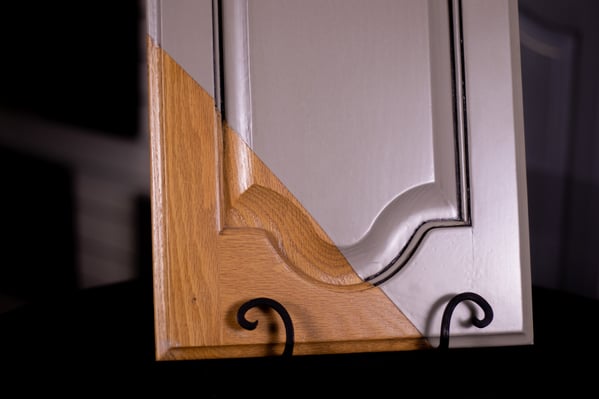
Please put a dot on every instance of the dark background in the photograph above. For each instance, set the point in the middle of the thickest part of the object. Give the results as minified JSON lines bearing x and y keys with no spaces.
{"x":75,"y":275}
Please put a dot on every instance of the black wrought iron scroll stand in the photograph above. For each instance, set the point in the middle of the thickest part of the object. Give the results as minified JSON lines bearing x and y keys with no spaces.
{"x":280,"y":309}
{"x":448,"y":312}
{"x":445,"y":321}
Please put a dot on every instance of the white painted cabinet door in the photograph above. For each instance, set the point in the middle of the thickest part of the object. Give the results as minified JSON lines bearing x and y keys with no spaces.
{"x":396,"y":124}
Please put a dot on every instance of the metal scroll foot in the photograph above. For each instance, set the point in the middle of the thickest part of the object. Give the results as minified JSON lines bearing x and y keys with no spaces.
{"x":280,"y":309}
{"x":480,"y":323}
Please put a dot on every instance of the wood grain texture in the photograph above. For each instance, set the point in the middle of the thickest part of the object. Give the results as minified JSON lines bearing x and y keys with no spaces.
{"x":256,"y":198}
{"x":225,"y":230}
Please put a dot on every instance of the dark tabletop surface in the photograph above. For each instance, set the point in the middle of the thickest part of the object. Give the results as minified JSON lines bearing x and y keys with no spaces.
{"x":102,"y":339}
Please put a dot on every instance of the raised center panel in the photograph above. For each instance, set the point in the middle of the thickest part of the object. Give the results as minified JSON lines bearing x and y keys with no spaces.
{"x":351,"y":103}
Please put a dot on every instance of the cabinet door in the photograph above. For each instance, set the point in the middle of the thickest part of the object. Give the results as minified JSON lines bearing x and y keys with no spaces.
{"x":359,"y":162}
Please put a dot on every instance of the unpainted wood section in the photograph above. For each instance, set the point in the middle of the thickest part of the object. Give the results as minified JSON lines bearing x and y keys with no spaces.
{"x":316,"y":348}
{"x":204,"y":271}
{"x":154,"y":61}
{"x":184,"y":191}
{"x":256,"y":198}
